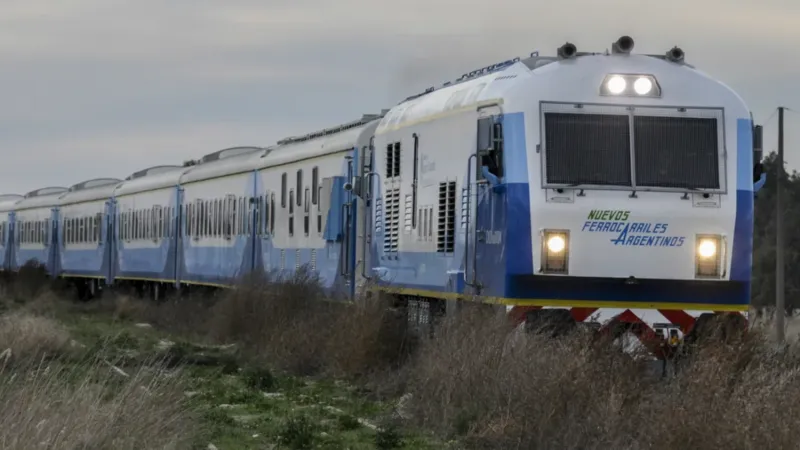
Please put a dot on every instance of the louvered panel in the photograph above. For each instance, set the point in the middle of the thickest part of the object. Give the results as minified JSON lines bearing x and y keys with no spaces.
{"x":378,"y":215}
{"x":408,"y":210}
{"x":447,"y":217}
{"x":465,"y":201}
{"x":392,"y":221}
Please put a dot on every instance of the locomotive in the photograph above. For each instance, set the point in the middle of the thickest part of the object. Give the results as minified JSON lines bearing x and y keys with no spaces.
{"x":599,"y":188}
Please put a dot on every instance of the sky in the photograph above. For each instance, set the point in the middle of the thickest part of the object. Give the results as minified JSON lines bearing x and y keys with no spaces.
{"x":102,"y":88}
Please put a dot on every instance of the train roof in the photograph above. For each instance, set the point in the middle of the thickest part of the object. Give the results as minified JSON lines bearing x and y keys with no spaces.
{"x":154,"y":170}
{"x":157,"y":177}
{"x":10,"y":197}
{"x":322,"y":142}
{"x":90,"y":190}
{"x":40,"y":198}
{"x":7,"y":201}
{"x":485,"y":85}
{"x":452,"y":97}
{"x":224,"y":162}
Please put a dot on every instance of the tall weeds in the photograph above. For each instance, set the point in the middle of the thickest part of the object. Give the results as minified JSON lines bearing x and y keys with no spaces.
{"x":55,"y":395}
{"x":490,"y":386}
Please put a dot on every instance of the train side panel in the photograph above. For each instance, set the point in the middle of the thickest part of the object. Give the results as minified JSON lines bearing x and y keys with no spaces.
{"x":5,"y":233}
{"x":421,"y":210}
{"x":34,"y":238}
{"x":7,"y":203}
{"x":217,"y":247}
{"x":83,"y":240}
{"x":144,"y":248}
{"x":305,"y":229}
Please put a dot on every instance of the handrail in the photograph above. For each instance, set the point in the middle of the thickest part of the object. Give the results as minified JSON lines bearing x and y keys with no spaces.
{"x":367,"y":230}
{"x":471,"y":283}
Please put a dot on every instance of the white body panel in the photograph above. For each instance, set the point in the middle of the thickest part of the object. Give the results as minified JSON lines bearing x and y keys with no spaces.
{"x":328,"y":165}
{"x":226,"y":193}
{"x":148,"y":235}
{"x":80,"y":224}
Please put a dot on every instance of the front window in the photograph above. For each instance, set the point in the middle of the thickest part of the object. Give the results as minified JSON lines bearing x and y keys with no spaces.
{"x":640,"y":148}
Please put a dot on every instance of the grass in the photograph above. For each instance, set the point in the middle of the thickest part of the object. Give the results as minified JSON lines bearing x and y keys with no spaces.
{"x":58,"y":395}
{"x":233,"y":396}
{"x":272,"y":364}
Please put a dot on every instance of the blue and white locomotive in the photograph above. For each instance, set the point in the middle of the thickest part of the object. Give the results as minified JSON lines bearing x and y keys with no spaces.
{"x":580,"y":187}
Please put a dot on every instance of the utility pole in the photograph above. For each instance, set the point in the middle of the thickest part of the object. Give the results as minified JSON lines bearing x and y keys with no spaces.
{"x":780,"y":309}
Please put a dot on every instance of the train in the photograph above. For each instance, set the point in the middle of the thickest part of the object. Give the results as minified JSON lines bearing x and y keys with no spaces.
{"x":583,"y":188}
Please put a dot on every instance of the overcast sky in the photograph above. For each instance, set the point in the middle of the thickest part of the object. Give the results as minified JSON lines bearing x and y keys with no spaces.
{"x":97,"y":88}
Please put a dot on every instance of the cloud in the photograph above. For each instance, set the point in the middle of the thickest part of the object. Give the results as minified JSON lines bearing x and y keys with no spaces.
{"x":103,"y":87}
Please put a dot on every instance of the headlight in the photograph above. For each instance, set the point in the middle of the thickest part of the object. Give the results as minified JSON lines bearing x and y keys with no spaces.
{"x":616,"y":84}
{"x":709,"y":256}
{"x":556,"y":244}
{"x":707,"y":248}
{"x":630,"y":85}
{"x":642,"y":85}
{"x":555,"y":252}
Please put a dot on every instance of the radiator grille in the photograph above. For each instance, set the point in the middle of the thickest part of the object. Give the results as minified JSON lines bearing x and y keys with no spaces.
{"x":391,"y":226}
{"x":676,"y":152}
{"x":588,"y":149}
{"x":447,"y":217}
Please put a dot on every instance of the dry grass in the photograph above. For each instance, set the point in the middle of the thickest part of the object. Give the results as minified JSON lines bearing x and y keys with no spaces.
{"x":291,"y":324}
{"x":484,"y":383}
{"x":25,"y":337}
{"x":477,"y":381}
{"x":56,"y":406}
{"x":288,"y":323}
{"x":55,"y":395}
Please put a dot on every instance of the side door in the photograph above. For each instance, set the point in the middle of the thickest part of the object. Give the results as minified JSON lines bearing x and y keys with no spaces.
{"x":178,"y":219}
{"x":348,"y":216}
{"x":484,"y":201}
{"x":107,"y":239}
{"x":51,"y":243}
{"x":361,"y":186}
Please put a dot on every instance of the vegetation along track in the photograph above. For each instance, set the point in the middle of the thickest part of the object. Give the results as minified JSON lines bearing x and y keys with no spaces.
{"x":271,"y":366}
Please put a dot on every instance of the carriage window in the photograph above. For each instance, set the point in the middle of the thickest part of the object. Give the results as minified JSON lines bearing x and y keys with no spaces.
{"x":299,"y":186}
{"x":262,"y":202}
{"x":98,"y":223}
{"x":314,"y":185}
{"x":283,"y":190}
{"x":188,"y":219}
{"x":272,"y":213}
{"x":306,"y":219}
{"x":204,"y":218}
{"x":217,"y":217}
{"x":291,"y":212}
{"x":240,"y":217}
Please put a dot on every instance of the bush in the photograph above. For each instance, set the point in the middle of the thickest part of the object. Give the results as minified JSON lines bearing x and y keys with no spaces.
{"x":297,"y":433}
{"x":291,"y":324}
{"x":92,"y":406}
{"x":486,"y":384}
{"x":24,"y":337}
{"x":479,"y":382}
{"x":29,"y":282}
